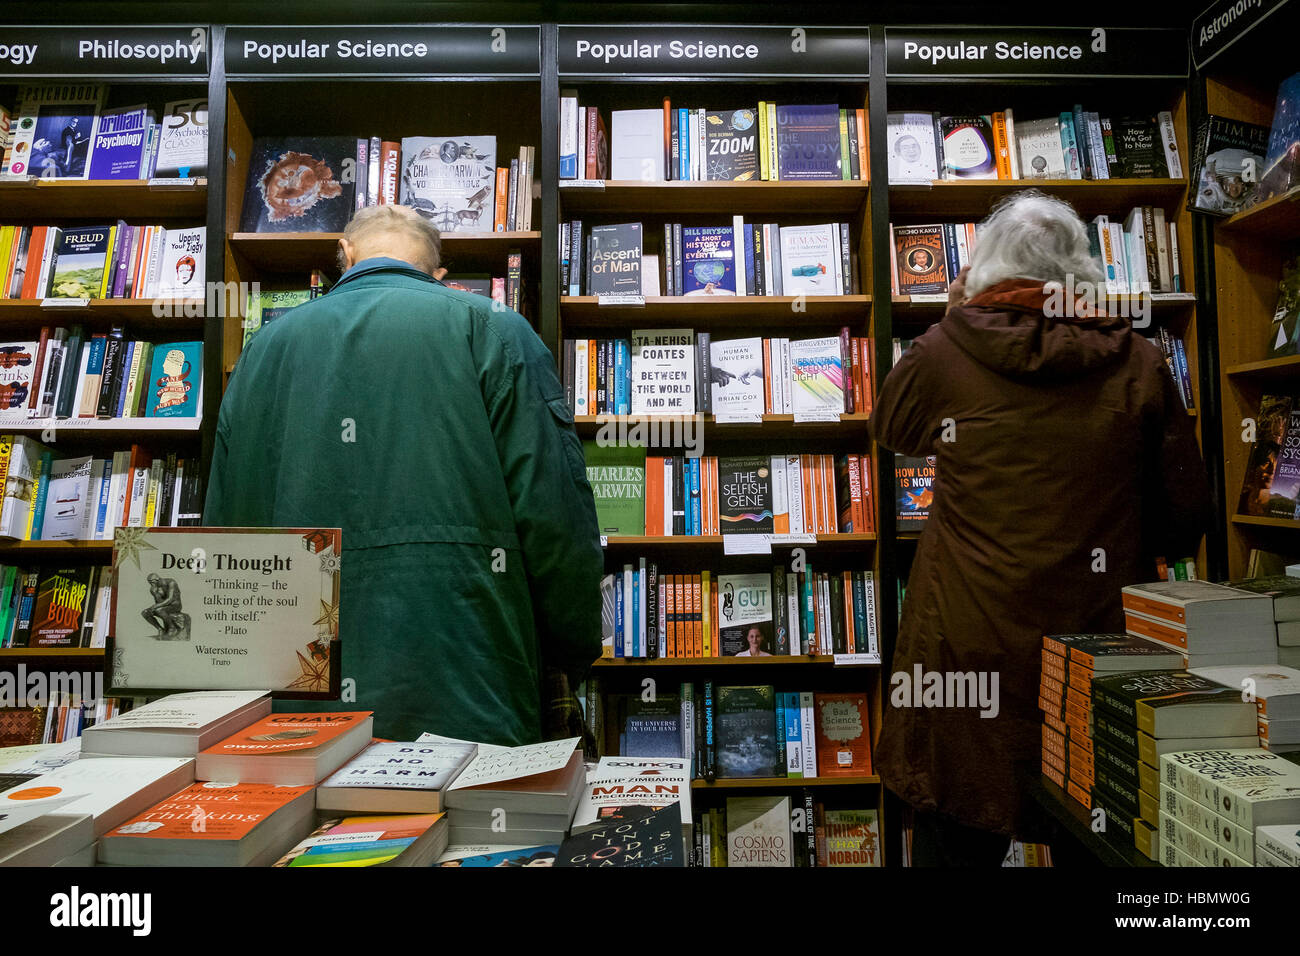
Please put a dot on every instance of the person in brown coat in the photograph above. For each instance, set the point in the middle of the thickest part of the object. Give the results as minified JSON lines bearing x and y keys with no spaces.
{"x":1065,"y":462}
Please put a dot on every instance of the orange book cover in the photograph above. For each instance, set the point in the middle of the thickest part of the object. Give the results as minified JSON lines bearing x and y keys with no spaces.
{"x":828,"y":494}
{"x":35,"y":254}
{"x":1155,"y":630}
{"x":668,"y":138}
{"x":864,"y":154}
{"x":288,"y":733}
{"x":697,"y":641}
{"x":674,"y":647}
{"x":868,"y":376}
{"x":390,"y":163}
{"x":503,"y":194}
{"x":843,"y":735}
{"x":1154,"y":608}
{"x":226,"y":811}
{"x":654,"y":497}
{"x":1001,"y":149}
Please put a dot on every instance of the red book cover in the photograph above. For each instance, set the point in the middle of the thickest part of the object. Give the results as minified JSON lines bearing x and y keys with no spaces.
{"x":35,"y":395}
{"x":35,"y":258}
{"x":286,"y":733}
{"x":60,"y":608}
{"x":389,"y":162}
{"x":848,"y":364}
{"x":843,"y":735}
{"x":654,"y":497}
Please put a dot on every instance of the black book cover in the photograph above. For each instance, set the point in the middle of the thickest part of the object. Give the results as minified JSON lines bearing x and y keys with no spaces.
{"x":1226,"y":166}
{"x":745,"y":495}
{"x":652,"y":840}
{"x":299,"y":184}
{"x":746,"y":732}
{"x":679,"y":496}
{"x":1139,"y":151}
{"x":614,"y":264}
{"x":107,"y":404}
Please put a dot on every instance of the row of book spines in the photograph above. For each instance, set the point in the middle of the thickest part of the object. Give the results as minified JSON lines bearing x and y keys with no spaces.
{"x":67,"y":715}
{"x":1140,"y":255}
{"x":819,"y":844}
{"x":132,"y":266}
{"x":1175,"y":353}
{"x":1183,"y":569}
{"x":129,"y":490}
{"x":19,"y":589}
{"x":679,"y":616}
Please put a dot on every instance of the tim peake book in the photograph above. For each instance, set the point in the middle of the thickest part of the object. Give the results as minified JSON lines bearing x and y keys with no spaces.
{"x":451,"y":180}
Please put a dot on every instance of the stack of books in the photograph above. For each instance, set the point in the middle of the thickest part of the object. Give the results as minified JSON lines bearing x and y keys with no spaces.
{"x":1209,"y":624}
{"x":1285,"y":592}
{"x":1276,"y":693}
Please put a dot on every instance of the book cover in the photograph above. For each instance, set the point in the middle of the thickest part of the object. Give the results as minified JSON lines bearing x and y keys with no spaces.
{"x":745,"y":495}
{"x":731,"y":144}
{"x":745,"y":606}
{"x":61,"y":603}
{"x":1281,"y":167}
{"x":451,"y":180}
{"x":362,"y":840}
{"x":968,"y":151}
{"x":81,"y":258}
{"x":183,"y":141}
{"x":614,"y":260}
{"x":915,"y":480}
{"x":288,"y":733}
{"x":912,"y":154}
{"x":210,"y":811}
{"x":17,"y":369}
{"x":736,"y":378}
{"x":809,"y":258}
{"x":636,"y":145}
{"x":652,"y":840}
{"x":1174,"y":704}
{"x":181,"y":275}
{"x":298,"y":184}
{"x":266,"y":306}
{"x":746,"y":732}
{"x":852,"y":837}
{"x":175,"y":373}
{"x":485,"y":854}
{"x":403,"y":766}
{"x":1227,"y":165}
{"x":843,"y":735}
{"x":1039,"y":145}
{"x":616,"y":474}
{"x":67,"y":500}
{"x":663,"y":372}
{"x":652,"y":728}
{"x":1285,"y":329}
{"x":1284,"y":493}
{"x":921,"y":261}
{"x":1139,"y":150}
{"x":1270,"y":434}
{"x":817,"y":378}
{"x":119,"y":144}
{"x":708,"y":260}
{"x":60,"y":142}
{"x":758,"y":832}
{"x":808,"y":142}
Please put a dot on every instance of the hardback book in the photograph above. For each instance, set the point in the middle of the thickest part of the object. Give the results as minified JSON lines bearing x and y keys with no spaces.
{"x":485,"y":854}
{"x":921,"y":261}
{"x":651,"y":728}
{"x":745,"y":605}
{"x":731,"y":144}
{"x":297,"y":184}
{"x":912,"y":154}
{"x":1284,"y":589}
{"x":745,"y":496}
{"x":17,"y":370}
{"x":119,"y":148}
{"x":968,"y":151}
{"x":80,"y":261}
{"x":1110,"y":653}
{"x":616,"y":474}
{"x":1285,"y":329}
{"x":746,"y":732}
{"x":758,"y":832}
{"x":265,"y":306}
{"x":663,"y":372}
{"x":175,"y":377}
{"x":111,"y":789}
{"x":708,"y":260}
{"x":291,"y":750}
{"x":808,"y":142}
{"x":178,"y":725}
{"x":451,"y":180}
{"x":636,"y":148}
{"x":852,"y":838}
{"x":183,"y":141}
{"x":48,"y":840}
{"x":1139,"y":150}
{"x":843,"y":735}
{"x":810,"y":260}
{"x":736,"y":378}
{"x":1174,"y":704}
{"x":1281,"y":169}
{"x":59,"y":142}
{"x":654,"y":839}
{"x":1227,"y":163}
{"x":407,"y":839}
{"x":618,"y":786}
{"x":817,"y":378}
{"x":915,"y":479}
{"x":614,"y":262}
{"x":1039,"y":145}
{"x":181,"y":273}
{"x":213,"y":824}
{"x":1270,"y":434}
{"x":1274,"y":689}
{"x":1249,"y":787}
{"x":67,"y":500}
{"x":393,"y":777}
{"x":62,"y":602}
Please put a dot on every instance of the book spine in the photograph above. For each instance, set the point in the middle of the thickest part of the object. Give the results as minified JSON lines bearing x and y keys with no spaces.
{"x":780,"y":613}
{"x":709,"y":763}
{"x":1170,"y":141}
{"x":363,"y":173}
{"x":1070,"y":146}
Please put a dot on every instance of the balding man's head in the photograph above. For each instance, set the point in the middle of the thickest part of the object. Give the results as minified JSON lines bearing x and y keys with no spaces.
{"x":397,"y":232}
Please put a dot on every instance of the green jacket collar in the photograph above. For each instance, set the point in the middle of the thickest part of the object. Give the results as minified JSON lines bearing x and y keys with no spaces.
{"x":383,"y":264}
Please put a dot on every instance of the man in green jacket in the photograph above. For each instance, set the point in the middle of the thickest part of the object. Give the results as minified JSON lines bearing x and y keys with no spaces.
{"x":433,"y":429}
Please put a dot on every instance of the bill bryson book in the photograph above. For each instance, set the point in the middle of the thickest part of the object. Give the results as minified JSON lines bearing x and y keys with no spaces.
{"x":745,"y":495}
{"x":708,"y":260}
{"x":451,"y":180}
{"x":299,"y":184}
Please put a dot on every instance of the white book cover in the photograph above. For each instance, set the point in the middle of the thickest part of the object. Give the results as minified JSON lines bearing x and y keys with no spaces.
{"x":663,"y":372}
{"x":1282,"y":840}
{"x":817,"y":378}
{"x":1162,"y":249}
{"x":808,"y":715}
{"x":451,"y":180}
{"x":810,"y":260}
{"x":1261,"y":683}
{"x":187,"y":711}
{"x":1038,"y":143}
{"x":181,"y":275}
{"x":736,"y":378}
{"x":569,"y":137}
{"x":404,"y":766}
{"x":1247,"y":786}
{"x":580,"y":377}
{"x":794,"y":494}
{"x":38,"y":758}
{"x":636,"y":149}
{"x":67,"y":500}
{"x":780,"y":497}
{"x":17,"y":369}
{"x":738,"y":244}
{"x":1136,"y":247}
{"x":117,"y":492}
{"x":183,"y":139}
{"x":495,"y":763}
{"x":635,"y":781}
{"x":912,"y":155}
{"x":745,"y":606}
{"x":1120,"y":251}
{"x":758,"y":832}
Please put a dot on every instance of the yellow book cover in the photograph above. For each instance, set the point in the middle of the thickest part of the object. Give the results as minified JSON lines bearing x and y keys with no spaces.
{"x":764,"y":168}
{"x":108,"y":262}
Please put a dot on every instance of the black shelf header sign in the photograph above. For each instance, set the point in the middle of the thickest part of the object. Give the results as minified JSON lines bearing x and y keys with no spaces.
{"x":1224,"y":23}
{"x":468,"y":51}
{"x":1085,"y":52}
{"x":686,"y":51}
{"x":32,"y":52}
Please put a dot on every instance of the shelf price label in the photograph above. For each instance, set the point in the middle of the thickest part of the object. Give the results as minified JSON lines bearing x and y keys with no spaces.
{"x":635,"y":300}
{"x":1053,"y":51}
{"x":598,"y":184}
{"x":173,"y":182}
{"x":103,"y":51}
{"x":65,"y":303}
{"x":746,"y":544}
{"x":856,"y":660}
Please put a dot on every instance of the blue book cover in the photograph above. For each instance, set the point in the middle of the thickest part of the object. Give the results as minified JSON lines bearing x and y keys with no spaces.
{"x":808,"y":142}
{"x":636,"y":615}
{"x":119,"y":143}
{"x":618,"y":615}
{"x":105,"y":481}
{"x":524,"y":856}
{"x":653,"y":728}
{"x":1070,"y":146}
{"x":684,"y":138}
{"x":1285,"y":131}
{"x":751,"y":283}
{"x":792,"y":718}
{"x":708,"y":260}
{"x":42,"y":486}
{"x":623,"y":381}
{"x":697,"y":519}
{"x":175,"y":375}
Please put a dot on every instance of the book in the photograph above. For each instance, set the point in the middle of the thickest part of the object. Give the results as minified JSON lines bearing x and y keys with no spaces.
{"x":1227,"y":162}
{"x":731,"y":145}
{"x":1285,"y":328}
{"x":758,"y":832}
{"x":736,"y":378}
{"x":663,"y":372}
{"x":485,"y":854}
{"x":60,"y":141}
{"x":450,"y":180}
{"x":843,"y":735}
{"x":968,"y":151}
{"x":745,"y":496}
{"x":1275,"y":690}
{"x":746,"y":732}
{"x":654,"y":839}
{"x":175,"y":380}
{"x":817,"y":378}
{"x":614,"y":260}
{"x":1246,"y":786}
{"x":213,"y":824}
{"x":852,"y":838}
{"x":183,"y":141}
{"x":67,"y":507}
{"x":915,"y":479}
{"x":265,"y":306}
{"x":1109,"y":653}
{"x":636,"y":147}
{"x":1270,"y":434}
{"x":17,"y":374}
{"x":810,"y":260}
{"x":1174,"y":704}
{"x":808,"y":142}
{"x":287,"y":749}
{"x":745,"y":609}
{"x":1039,"y":146}
{"x":62,"y":602}
{"x":913,"y":157}
{"x":920,"y":259}
{"x":178,"y":725}
{"x":118,"y":150}
{"x":708,"y":260}
{"x":79,"y":263}
{"x":408,"y":839}
{"x":1139,"y":149}
{"x":48,"y":840}
{"x":1281,"y":169}
{"x":617,"y":477}
{"x":1282,"y":588}
{"x":295,"y":184}
{"x":617,"y":786}
{"x":392,"y":777}
{"x":181,"y":274}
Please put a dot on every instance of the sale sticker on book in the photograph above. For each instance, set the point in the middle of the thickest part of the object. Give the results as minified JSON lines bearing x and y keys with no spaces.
{"x":222,"y":608}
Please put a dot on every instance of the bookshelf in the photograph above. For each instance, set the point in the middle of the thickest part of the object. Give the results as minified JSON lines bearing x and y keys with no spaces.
{"x":1237,"y":77}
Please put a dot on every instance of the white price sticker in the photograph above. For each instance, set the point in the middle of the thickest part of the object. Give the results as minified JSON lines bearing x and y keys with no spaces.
{"x":930,"y":297}
{"x":746,"y":544}
{"x":856,"y":660}
{"x":65,"y":303}
{"x":582,"y":184}
{"x":637,"y":300}
{"x":737,"y":418}
{"x":802,"y":417}
{"x":173,"y":182}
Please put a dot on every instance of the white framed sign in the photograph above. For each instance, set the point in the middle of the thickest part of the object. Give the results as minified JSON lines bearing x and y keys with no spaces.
{"x":226,"y":608}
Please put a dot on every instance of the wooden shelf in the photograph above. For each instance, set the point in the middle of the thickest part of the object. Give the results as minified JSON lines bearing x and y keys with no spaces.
{"x":715,"y":541}
{"x":785,"y":660}
{"x":55,"y":546}
{"x":785,"y":783}
{"x":772,"y":426}
{"x":64,"y":427}
{"x":1265,"y":522}
{"x":1275,"y":218}
{"x":83,"y":199}
{"x":105,"y":313}
{"x":1286,"y":367}
{"x":905,"y":308}
{"x":304,"y":251}
{"x":12,"y":653}
{"x":719,"y":311}
{"x":947,"y":200}
{"x":733,"y":198}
